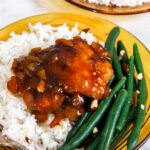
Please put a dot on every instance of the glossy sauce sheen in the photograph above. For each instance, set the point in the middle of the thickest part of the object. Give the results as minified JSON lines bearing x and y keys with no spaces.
{"x":59,"y":78}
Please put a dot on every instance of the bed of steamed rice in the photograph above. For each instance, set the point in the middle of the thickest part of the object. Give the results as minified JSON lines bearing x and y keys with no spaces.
{"x":17,"y":122}
{"x":119,"y":3}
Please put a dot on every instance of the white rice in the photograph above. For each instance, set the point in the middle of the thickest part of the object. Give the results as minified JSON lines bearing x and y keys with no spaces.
{"x":119,"y":3}
{"x":17,"y":122}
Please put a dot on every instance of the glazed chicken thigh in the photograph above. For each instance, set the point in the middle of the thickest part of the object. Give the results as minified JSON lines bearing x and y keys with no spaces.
{"x":62,"y":75}
{"x":78,"y":67}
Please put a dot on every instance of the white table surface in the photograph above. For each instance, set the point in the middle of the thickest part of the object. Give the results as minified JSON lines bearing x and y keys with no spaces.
{"x":138,"y":25}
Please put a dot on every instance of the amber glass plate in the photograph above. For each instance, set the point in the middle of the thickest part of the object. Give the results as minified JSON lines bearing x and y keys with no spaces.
{"x":100,"y":28}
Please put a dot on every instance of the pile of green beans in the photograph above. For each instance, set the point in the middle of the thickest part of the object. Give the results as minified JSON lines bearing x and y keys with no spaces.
{"x":121,"y":112}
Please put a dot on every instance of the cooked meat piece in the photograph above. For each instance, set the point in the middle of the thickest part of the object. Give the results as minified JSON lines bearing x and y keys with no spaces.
{"x":107,"y":92}
{"x":49,"y":101}
{"x":14,"y":85}
{"x":72,"y":112}
{"x":77,"y":99}
{"x":78,"y":68}
{"x":58,"y":117}
{"x":28,"y":98}
{"x":40,"y":116}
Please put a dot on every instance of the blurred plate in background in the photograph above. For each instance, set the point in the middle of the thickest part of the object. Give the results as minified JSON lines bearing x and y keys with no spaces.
{"x":84,"y":5}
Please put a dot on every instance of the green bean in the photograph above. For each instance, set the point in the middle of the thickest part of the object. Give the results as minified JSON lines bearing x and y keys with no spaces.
{"x":109,"y":128}
{"x":78,"y":125}
{"x":123,"y":57}
{"x":120,"y":47}
{"x":110,"y":41}
{"x":117,"y":65}
{"x":141,"y":102}
{"x":130,"y":88}
{"x":87,"y":128}
{"x":119,"y":134}
{"x":111,"y":81}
